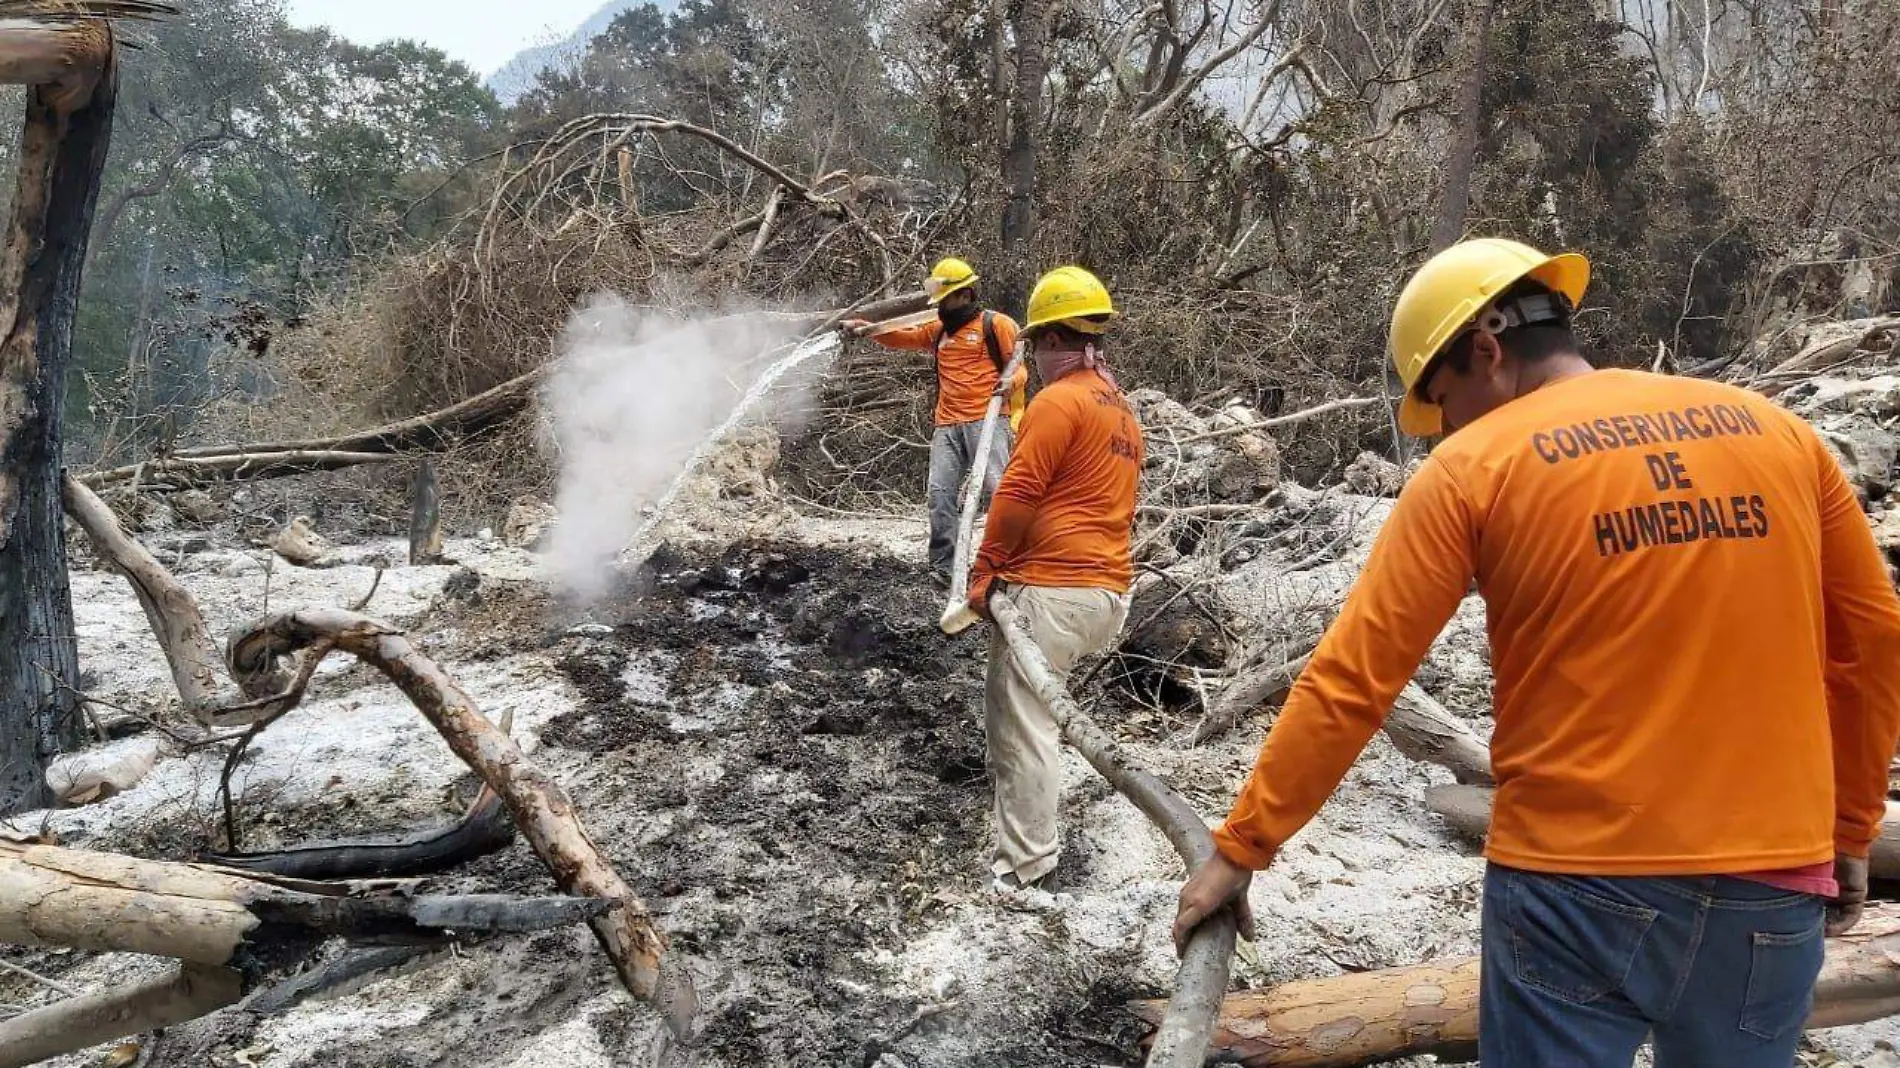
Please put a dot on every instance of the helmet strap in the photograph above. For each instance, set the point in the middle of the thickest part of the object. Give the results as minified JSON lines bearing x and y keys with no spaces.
{"x":1495,"y":319}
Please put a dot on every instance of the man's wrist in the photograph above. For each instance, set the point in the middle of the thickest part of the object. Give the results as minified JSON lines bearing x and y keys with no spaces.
{"x":1239,"y":852}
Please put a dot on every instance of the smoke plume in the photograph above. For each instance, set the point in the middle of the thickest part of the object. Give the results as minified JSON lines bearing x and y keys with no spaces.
{"x":635,"y":392}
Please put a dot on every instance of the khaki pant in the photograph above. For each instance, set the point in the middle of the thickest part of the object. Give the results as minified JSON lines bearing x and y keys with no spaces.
{"x":1025,"y":745}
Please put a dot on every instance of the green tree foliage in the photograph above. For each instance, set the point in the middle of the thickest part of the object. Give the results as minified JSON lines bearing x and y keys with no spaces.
{"x":251,"y":162}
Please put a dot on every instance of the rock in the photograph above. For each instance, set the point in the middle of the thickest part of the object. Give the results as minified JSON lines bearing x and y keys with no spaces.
{"x":743,"y":464}
{"x":1241,"y":467}
{"x":1160,"y":413}
{"x":590,"y":630}
{"x":1866,"y":453}
{"x":1878,"y":396}
{"x":238,"y":566}
{"x":300,"y":544}
{"x":1372,"y":475}
{"x":197,"y":508}
{"x":1168,"y":632}
{"x":527,"y":523}
{"x":465,"y":585}
{"x":1887,"y":531}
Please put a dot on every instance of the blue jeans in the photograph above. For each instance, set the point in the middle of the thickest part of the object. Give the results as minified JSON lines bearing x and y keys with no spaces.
{"x":1579,"y":970}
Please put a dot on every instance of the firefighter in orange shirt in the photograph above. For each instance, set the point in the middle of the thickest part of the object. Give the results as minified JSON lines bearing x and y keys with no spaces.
{"x":1694,"y":640}
{"x":1056,"y":545}
{"x":972,"y":347}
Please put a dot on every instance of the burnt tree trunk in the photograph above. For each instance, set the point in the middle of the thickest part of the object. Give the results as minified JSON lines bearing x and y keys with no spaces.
{"x":63,"y":149}
{"x":1461,"y":155}
{"x":1031,"y":25}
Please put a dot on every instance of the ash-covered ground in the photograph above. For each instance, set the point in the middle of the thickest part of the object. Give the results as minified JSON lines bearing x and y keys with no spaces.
{"x":769,"y":737}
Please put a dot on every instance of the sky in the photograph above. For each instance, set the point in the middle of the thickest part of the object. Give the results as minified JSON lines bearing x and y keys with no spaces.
{"x":482,"y":33}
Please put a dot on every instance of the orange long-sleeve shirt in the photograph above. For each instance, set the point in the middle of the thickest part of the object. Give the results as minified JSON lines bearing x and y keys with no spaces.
{"x":1695,"y":643}
{"x":966,"y":376}
{"x":1064,"y":510}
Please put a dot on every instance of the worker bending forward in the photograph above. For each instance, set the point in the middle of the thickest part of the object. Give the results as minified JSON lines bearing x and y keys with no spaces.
{"x":1056,"y":545}
{"x":1697,"y":660}
{"x":972,"y":348}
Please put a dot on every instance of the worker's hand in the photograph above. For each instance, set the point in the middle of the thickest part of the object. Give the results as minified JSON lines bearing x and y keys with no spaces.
{"x":1219,"y":883}
{"x":1844,"y":911}
{"x":979,"y":599}
{"x":854,"y":327}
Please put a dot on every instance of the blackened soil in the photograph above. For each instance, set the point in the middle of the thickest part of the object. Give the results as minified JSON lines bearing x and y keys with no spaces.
{"x":783,"y":756}
{"x":809,"y":780}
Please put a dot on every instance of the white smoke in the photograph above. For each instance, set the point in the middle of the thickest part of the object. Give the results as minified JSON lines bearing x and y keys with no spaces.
{"x":634,"y":394}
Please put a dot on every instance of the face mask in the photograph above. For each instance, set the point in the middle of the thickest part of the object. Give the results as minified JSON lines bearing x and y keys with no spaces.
{"x":1054,"y":364}
{"x":953,"y":319}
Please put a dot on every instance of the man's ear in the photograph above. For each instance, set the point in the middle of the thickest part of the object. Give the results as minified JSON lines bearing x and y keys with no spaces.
{"x":1487,"y":355}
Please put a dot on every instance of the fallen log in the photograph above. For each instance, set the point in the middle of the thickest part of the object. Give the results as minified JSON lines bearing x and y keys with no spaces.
{"x":204,"y":685}
{"x":1432,"y":1009}
{"x":484,"y":829}
{"x":1246,"y":693}
{"x":539,"y":807}
{"x":1422,"y":729}
{"x":64,"y":1026}
{"x":56,"y":45}
{"x":1187,"y":1024}
{"x":1418,"y":725}
{"x":221,"y":924}
{"x":429,"y":432}
{"x":347,"y":969}
{"x":1466,"y":809}
{"x":104,"y":902}
{"x":181,"y":471}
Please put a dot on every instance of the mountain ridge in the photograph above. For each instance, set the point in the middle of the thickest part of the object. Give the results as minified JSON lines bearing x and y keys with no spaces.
{"x":514,"y":78}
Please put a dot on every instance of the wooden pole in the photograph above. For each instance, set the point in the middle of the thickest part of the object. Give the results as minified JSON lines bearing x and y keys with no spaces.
{"x":1187,"y":1025}
{"x":1432,"y":1009}
{"x":63,"y":150}
{"x":425,"y":515}
{"x":956,"y":612}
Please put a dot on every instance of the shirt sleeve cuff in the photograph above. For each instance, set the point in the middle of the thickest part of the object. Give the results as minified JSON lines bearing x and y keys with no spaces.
{"x":1852,"y":846}
{"x":1240,"y":852}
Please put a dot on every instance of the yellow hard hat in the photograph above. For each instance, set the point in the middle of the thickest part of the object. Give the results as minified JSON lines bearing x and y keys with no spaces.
{"x":1070,"y":296}
{"x":949,"y":275}
{"x":1449,"y":292}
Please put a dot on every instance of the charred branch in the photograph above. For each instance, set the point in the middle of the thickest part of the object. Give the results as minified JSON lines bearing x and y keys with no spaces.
{"x":484,"y":829}
{"x":540,"y":808}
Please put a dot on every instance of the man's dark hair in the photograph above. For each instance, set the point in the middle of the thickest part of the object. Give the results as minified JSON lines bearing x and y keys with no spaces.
{"x":1532,"y":343}
{"x":1070,"y":337}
